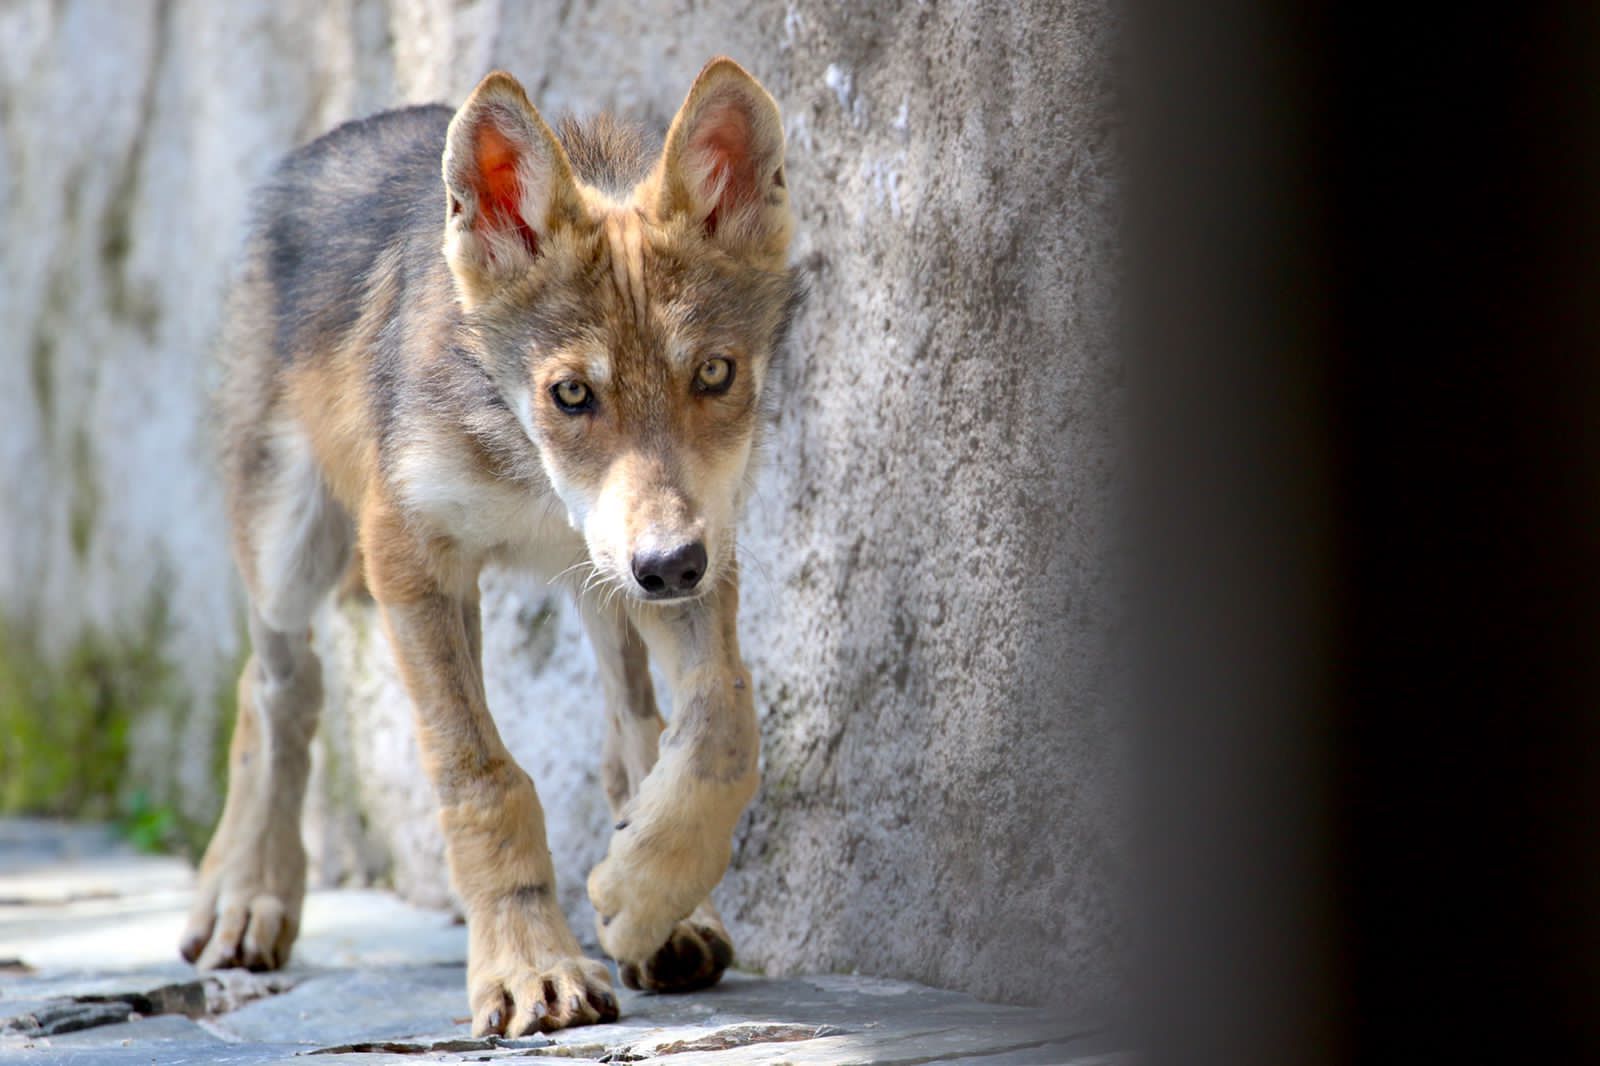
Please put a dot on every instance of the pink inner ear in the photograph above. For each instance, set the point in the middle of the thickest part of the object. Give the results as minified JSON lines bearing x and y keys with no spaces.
{"x":722,"y":138}
{"x":498,"y":187}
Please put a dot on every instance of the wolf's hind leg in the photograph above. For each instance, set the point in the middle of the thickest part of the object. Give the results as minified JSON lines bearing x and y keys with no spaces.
{"x":252,"y":880}
{"x":699,"y":948}
{"x":292,"y":544}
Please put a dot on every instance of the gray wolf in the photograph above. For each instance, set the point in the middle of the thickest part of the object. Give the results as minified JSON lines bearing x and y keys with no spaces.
{"x":463,"y":338}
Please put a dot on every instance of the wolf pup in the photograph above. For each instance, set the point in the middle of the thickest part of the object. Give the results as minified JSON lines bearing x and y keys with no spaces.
{"x":554,"y":358}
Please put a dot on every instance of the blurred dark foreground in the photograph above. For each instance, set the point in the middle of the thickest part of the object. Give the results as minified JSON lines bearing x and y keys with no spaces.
{"x":1362,"y":342}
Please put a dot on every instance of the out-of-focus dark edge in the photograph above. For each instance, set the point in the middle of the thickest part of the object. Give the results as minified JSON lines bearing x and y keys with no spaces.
{"x":1361,"y":331}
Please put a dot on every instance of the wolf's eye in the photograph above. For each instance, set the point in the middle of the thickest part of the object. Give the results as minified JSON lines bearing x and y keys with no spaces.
{"x":714,"y":375}
{"x":573,"y":397}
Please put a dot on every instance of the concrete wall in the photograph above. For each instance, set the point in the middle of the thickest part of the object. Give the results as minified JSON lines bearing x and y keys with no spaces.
{"x":927,"y":598}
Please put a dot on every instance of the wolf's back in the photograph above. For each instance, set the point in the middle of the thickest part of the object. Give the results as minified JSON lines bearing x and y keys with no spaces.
{"x":329,"y":212}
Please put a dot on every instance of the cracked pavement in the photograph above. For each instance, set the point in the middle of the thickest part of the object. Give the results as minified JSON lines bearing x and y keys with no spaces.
{"x":89,"y":973}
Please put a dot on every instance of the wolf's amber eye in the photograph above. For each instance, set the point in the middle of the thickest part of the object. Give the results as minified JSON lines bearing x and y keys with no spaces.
{"x":714,"y":375}
{"x":573,"y":397}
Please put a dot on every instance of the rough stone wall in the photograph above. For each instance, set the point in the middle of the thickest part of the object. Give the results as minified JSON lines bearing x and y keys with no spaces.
{"x":926,"y":600}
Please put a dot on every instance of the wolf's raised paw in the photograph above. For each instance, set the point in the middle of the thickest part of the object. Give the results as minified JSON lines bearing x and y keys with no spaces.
{"x":574,"y":991}
{"x":650,"y":881}
{"x":632,"y":924}
{"x":694,"y":957}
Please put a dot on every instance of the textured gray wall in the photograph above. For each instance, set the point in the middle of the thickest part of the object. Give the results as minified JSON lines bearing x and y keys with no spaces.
{"x":927,"y":601}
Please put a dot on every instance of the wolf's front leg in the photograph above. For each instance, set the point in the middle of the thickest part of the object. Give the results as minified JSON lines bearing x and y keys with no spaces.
{"x":699,"y":948}
{"x":674,"y":837}
{"x":525,"y":970}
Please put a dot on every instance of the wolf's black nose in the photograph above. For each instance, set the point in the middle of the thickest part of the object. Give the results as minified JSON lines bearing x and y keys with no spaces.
{"x":670,"y":570}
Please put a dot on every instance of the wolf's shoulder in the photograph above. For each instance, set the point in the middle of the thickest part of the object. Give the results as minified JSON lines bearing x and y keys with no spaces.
{"x":395,"y":137}
{"x":363,"y":183}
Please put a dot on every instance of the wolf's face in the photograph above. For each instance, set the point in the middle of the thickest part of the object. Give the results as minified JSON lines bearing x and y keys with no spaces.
{"x":630,"y":330}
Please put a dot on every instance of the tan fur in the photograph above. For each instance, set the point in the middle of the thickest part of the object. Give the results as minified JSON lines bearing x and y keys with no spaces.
{"x":418,"y":432}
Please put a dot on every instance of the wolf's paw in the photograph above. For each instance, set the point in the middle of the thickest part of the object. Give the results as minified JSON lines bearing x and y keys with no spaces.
{"x":514,"y":1002}
{"x":642,"y":890}
{"x":694,"y":956}
{"x":247,"y":909}
{"x":525,"y":971}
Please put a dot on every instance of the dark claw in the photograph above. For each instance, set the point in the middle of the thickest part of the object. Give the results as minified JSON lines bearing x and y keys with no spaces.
{"x":721,"y":952}
{"x":693,"y":957}
{"x":604,"y":1003}
{"x":620,"y":826}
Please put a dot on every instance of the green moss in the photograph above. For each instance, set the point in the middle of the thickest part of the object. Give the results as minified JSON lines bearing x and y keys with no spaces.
{"x":128,"y":300}
{"x":146,"y":825}
{"x":41,"y":367}
{"x":65,"y":723}
{"x":85,"y":495}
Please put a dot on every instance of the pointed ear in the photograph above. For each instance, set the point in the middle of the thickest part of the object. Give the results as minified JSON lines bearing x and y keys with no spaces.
{"x":723,"y":164}
{"x":508,"y":184}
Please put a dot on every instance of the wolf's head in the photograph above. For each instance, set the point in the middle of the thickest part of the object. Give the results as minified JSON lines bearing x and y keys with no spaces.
{"x":629,"y":316}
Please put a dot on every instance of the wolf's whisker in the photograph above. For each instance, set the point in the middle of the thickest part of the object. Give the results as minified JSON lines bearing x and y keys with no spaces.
{"x":570,"y":569}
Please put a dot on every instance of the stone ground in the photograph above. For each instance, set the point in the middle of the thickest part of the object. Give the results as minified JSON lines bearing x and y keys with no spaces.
{"x":89,"y":974}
